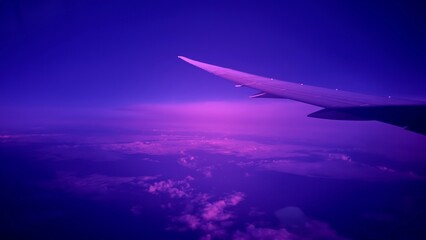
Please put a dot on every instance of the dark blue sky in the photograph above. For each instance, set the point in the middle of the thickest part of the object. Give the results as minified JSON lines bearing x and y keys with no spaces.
{"x":114,"y":53}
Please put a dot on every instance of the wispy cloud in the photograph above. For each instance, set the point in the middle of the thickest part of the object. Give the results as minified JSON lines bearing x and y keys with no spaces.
{"x":175,"y":189}
{"x":252,"y":232}
{"x":261,"y":118}
{"x":336,"y":168}
{"x":300,"y":159}
{"x":96,"y":185}
{"x":313,"y":230}
{"x":214,"y":218}
{"x":216,"y":210}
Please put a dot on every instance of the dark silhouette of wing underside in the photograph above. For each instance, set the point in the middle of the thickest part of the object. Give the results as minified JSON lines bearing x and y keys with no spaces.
{"x":338,"y":105}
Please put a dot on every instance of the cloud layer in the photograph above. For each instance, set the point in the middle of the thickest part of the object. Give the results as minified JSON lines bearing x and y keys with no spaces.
{"x":261,"y":118}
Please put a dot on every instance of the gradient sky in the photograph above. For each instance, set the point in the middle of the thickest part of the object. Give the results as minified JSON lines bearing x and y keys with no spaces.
{"x":106,"y":134}
{"x":114,"y":53}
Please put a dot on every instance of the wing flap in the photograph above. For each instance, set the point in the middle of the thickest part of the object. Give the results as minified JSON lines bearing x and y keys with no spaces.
{"x":264,"y":95}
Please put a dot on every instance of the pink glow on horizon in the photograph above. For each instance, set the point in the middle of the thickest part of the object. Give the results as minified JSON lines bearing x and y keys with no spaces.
{"x":279,"y":119}
{"x":265,"y":118}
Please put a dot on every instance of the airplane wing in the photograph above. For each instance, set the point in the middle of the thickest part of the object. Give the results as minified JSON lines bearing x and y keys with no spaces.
{"x":338,"y":105}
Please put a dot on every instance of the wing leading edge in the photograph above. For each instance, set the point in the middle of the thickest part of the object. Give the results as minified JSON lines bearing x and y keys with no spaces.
{"x":339,"y":105}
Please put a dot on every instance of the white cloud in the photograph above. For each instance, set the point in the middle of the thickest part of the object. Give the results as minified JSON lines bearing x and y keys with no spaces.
{"x":211,"y":217}
{"x":175,"y":188}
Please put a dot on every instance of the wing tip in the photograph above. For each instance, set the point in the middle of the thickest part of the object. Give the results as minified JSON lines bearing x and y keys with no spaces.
{"x":184,"y":58}
{"x":194,"y":62}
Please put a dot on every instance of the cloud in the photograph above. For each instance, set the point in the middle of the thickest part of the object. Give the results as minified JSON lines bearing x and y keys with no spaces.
{"x":295,"y":225}
{"x":300,"y":159}
{"x":203,"y":137}
{"x":191,"y":221}
{"x":313,"y":230}
{"x":302,"y":227}
{"x":96,"y":185}
{"x":213,"y":218}
{"x":270,"y":119}
{"x":235,"y":198}
{"x":189,"y":151}
{"x":216,"y":210}
{"x":252,"y":233}
{"x":339,"y":168}
{"x":175,"y":189}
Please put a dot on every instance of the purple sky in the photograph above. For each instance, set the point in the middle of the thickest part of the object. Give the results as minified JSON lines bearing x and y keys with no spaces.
{"x":106,"y":134}
{"x":87,"y":67}
{"x":67,"y":53}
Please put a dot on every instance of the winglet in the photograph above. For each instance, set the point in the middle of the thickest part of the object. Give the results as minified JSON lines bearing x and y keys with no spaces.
{"x":240,"y":78}
{"x":201,"y":65}
{"x":188,"y":60}
{"x":182,"y":57}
